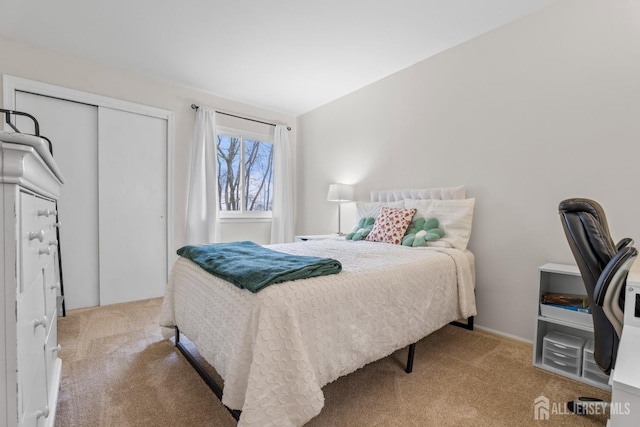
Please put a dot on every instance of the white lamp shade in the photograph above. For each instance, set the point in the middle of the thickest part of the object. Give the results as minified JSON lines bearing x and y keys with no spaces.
{"x":340,"y":193}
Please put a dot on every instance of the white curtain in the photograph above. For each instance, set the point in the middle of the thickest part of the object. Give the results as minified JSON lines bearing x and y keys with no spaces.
{"x":282,"y":210}
{"x":203,"y":225}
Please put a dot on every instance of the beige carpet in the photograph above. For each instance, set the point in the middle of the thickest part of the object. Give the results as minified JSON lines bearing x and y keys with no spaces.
{"x":118,"y":371}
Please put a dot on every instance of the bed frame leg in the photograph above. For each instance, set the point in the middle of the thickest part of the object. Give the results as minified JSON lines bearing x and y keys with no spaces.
{"x":468,"y":325}
{"x":412,"y":351}
{"x":412,"y":347}
{"x":208,"y":379}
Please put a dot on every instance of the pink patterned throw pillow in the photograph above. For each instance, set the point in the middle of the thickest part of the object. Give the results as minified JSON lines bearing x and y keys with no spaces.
{"x":390,"y":225}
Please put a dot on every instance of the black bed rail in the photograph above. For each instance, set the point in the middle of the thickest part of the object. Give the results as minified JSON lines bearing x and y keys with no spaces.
{"x":208,"y":379}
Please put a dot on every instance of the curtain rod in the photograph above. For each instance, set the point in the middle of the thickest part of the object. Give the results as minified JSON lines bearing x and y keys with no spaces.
{"x":195,"y":107}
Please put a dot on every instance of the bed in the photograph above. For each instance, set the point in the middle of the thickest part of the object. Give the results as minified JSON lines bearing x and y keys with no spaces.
{"x":277,"y":348}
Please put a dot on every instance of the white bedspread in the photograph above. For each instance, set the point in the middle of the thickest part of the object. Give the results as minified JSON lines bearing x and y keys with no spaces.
{"x":277,"y":348}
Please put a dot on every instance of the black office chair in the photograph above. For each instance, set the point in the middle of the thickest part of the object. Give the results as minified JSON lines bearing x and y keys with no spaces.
{"x":603,"y":266}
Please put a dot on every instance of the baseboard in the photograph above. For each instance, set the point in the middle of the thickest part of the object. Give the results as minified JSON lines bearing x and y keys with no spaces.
{"x":502,"y":334}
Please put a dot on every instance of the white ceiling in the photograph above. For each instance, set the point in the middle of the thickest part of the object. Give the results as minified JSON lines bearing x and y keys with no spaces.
{"x":289,"y":56}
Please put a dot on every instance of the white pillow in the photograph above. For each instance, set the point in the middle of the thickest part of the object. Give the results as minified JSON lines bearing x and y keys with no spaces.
{"x":372,"y":209}
{"x":455,"y":217}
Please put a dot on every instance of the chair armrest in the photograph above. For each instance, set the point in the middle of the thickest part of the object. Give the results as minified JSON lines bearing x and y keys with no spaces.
{"x":623,"y":243}
{"x":611,"y":284}
{"x":611,"y":270}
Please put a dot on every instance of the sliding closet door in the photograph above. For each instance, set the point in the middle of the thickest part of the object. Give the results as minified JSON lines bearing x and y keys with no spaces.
{"x":72,"y":127}
{"x":113,"y":206}
{"x":132,"y":164}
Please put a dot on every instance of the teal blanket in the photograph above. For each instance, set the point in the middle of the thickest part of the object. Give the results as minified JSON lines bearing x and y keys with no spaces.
{"x":251,"y":266}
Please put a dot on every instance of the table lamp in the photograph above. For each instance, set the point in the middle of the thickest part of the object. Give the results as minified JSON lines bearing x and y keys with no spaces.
{"x":340,"y":193}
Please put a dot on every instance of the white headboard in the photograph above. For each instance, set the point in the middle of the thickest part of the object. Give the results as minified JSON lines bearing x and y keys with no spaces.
{"x":440,"y":193}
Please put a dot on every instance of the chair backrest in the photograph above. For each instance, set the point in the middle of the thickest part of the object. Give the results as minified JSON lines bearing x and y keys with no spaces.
{"x":587,"y":231}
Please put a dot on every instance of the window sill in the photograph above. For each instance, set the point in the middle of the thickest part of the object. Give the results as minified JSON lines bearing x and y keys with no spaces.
{"x":244,"y":219}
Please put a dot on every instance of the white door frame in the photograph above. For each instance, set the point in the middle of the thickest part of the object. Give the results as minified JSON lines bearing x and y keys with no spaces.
{"x":11,"y":84}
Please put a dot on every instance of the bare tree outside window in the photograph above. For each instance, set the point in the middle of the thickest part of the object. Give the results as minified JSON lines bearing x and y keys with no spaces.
{"x":245,"y":174}
{"x":258,"y":175}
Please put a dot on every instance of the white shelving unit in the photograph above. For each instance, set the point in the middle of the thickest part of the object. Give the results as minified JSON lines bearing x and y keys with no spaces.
{"x":561,"y":278}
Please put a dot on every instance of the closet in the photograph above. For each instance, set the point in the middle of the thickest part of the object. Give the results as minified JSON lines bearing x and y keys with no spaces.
{"x":114,"y":207}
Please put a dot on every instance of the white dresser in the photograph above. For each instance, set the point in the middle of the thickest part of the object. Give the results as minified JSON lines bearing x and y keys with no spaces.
{"x":31,"y":369}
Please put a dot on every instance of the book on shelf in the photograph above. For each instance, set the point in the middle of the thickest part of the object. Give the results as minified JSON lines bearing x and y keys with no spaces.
{"x":565,"y":300}
{"x":572,"y":308}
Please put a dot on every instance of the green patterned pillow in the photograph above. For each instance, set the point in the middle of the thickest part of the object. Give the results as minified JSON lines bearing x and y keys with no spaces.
{"x":421,"y":231}
{"x":362,"y":229}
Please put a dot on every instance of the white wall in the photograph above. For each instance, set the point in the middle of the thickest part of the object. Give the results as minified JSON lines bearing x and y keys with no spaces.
{"x":541,"y":110}
{"x":22,"y":60}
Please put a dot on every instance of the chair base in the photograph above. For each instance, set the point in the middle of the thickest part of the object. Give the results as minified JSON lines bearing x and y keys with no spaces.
{"x":587,"y":406}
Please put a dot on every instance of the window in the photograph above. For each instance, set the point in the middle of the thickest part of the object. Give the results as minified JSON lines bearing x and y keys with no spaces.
{"x":245,"y":174}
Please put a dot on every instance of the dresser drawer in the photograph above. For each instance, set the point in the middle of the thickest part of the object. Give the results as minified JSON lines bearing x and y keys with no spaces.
{"x":31,"y":240}
{"x":36,"y":411}
{"x":37,"y":240}
{"x":31,"y":329}
{"x":51,"y":350}
{"x":51,"y":285}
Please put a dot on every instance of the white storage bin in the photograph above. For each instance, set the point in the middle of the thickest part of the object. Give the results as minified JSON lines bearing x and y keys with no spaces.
{"x":592,"y":372}
{"x":568,"y":364}
{"x":578,"y":317}
{"x":563,"y":352}
{"x":590,"y":368}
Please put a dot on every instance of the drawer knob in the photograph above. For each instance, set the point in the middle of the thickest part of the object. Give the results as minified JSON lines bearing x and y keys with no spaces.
{"x":45,"y":212}
{"x":57,"y":224}
{"x":43,"y":412}
{"x":53,"y":243}
{"x":40,"y":322}
{"x":44,"y":251}
{"x":37,"y":235}
{"x":56,"y":349}
{"x":56,"y":286}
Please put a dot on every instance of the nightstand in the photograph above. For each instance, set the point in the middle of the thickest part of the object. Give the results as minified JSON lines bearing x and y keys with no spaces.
{"x":309,"y":237}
